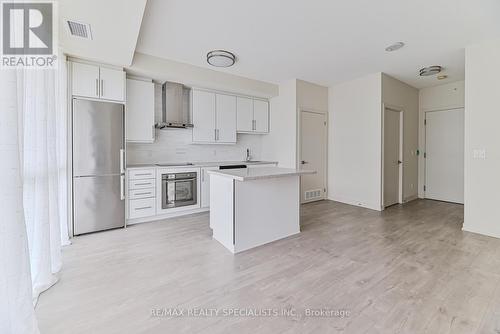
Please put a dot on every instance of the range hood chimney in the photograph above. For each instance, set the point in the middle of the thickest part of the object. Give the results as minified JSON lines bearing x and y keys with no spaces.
{"x":175,"y":106}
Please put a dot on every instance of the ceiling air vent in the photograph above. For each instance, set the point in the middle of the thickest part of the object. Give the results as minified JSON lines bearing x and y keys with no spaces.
{"x":79,"y":29}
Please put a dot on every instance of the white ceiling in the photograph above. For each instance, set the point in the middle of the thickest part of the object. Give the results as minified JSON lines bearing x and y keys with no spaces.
{"x":115,"y":26}
{"x":322,"y":41}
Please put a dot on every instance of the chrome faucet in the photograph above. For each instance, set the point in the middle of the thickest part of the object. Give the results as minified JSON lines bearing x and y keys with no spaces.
{"x":249,"y":157}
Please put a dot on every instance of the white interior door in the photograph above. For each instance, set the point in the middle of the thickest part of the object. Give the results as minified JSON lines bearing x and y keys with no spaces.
{"x":444,"y":150}
{"x":313,"y":138}
{"x":226,"y":118}
{"x":392,"y":156}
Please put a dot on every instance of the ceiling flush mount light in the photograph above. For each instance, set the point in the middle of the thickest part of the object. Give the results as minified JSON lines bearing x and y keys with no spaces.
{"x":430,"y":70}
{"x":394,"y":47}
{"x":221,"y":58}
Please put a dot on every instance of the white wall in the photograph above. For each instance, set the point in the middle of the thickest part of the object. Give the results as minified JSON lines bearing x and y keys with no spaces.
{"x":442,"y":97}
{"x":160,"y":69}
{"x":175,"y":145}
{"x":398,"y":95}
{"x":280,"y":143}
{"x":312,"y":97}
{"x":482,"y":119}
{"x":355,"y":142}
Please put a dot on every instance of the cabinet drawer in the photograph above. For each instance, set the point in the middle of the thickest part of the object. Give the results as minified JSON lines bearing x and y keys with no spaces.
{"x":139,"y":208}
{"x":135,"y":174}
{"x":141,"y":184}
{"x":141,"y":193}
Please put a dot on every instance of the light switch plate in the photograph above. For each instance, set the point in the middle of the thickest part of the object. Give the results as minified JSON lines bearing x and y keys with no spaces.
{"x":479,"y":154}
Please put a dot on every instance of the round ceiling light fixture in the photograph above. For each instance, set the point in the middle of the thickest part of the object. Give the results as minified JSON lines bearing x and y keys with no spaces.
{"x":430,"y":70}
{"x":394,"y":47}
{"x":221,"y":58}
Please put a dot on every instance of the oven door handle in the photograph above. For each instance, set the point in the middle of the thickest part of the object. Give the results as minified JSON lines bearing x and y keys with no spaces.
{"x":176,"y":180}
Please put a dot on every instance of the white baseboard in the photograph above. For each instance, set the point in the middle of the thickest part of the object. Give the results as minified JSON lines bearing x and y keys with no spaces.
{"x":165,"y":216}
{"x":481,"y":231}
{"x":344,"y":200}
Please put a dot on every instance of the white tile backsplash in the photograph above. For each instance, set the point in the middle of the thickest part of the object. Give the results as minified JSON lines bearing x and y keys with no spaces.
{"x":175,"y":145}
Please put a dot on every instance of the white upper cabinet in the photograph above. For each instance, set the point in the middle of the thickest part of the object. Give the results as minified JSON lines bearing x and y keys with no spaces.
{"x":98,"y":82}
{"x":85,"y":80}
{"x":253,"y":115}
{"x":203,"y":112}
{"x":214,"y":117}
{"x":140,"y":111}
{"x":225,"y":117}
{"x":112,"y":84}
{"x":244,"y":114}
{"x":261,"y":116}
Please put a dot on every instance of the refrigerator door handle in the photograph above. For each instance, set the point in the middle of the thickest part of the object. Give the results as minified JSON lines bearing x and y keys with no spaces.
{"x":122,"y":187}
{"x":122,"y":161}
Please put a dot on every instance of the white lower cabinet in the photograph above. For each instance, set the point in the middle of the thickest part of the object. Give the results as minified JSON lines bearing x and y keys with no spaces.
{"x":141,"y":195}
{"x":205,"y":186}
{"x":139,"y":208}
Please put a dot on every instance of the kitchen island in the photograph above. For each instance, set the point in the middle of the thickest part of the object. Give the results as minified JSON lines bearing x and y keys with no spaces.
{"x":252,"y":207}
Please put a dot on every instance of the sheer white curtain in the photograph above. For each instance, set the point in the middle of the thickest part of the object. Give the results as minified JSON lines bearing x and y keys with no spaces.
{"x":42,"y":130}
{"x":16,"y":305}
{"x":33,"y":190}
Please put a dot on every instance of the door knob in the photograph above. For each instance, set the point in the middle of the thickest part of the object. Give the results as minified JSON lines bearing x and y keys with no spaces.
{"x":303,"y":162}
{"x":399,"y":162}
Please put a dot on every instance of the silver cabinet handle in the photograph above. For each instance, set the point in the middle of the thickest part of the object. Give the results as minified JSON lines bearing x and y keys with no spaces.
{"x":143,"y":184}
{"x":97,"y":87}
{"x":144,"y":208}
{"x":122,"y":187}
{"x":122,"y":161}
{"x":143,"y":174}
{"x":102,"y":87}
{"x":139,"y":194}
{"x":215,"y":134}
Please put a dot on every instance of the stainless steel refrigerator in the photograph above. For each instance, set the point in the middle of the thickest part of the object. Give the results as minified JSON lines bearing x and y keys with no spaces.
{"x":98,"y":166}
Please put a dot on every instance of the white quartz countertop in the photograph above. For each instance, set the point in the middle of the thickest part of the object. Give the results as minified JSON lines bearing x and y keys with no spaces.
{"x":201,"y":164}
{"x":248,"y":174}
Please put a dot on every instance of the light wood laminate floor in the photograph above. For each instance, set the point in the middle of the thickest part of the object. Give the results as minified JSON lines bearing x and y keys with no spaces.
{"x":409,"y":269}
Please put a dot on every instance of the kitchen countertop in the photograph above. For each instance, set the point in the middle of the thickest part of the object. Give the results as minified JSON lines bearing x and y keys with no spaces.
{"x":204,"y":164}
{"x":245,"y":174}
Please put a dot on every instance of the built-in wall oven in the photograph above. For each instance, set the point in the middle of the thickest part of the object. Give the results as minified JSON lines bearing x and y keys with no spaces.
{"x":178,"y":189}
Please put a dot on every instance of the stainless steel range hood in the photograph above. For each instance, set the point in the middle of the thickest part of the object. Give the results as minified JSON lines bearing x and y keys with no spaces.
{"x":175,"y":106}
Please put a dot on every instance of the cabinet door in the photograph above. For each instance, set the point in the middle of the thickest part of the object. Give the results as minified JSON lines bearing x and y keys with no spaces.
{"x":112,"y":84}
{"x":261,"y":116}
{"x":85,"y":80}
{"x":205,"y":186}
{"x":203,"y":104}
{"x":140,"y":111}
{"x":244,"y":109}
{"x":225,"y":118}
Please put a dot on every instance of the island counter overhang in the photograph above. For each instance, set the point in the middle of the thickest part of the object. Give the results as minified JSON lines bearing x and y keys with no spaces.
{"x":252,"y":207}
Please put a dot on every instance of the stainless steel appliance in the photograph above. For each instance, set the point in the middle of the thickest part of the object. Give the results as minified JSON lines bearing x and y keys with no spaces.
{"x":178,"y":189}
{"x":98,"y":166}
{"x":175,"y":106}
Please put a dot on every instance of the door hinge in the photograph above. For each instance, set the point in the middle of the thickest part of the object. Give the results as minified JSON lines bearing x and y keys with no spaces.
{"x":425,"y":155}
{"x":425,"y":122}
{"x":324,"y":123}
{"x":425,"y":188}
{"x":324,"y":190}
